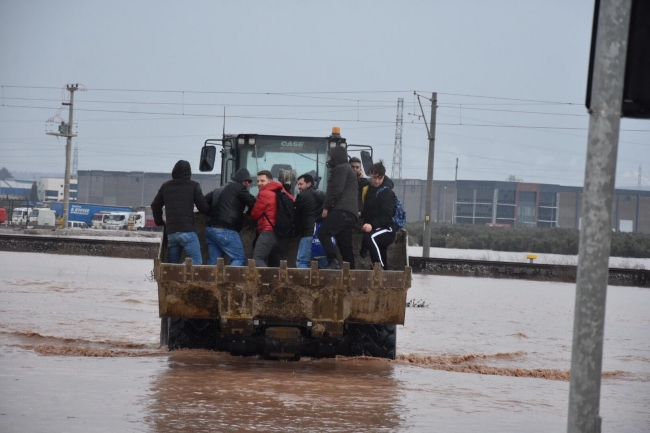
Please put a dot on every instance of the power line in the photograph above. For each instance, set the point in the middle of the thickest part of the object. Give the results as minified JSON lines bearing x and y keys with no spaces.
{"x":229,"y":116}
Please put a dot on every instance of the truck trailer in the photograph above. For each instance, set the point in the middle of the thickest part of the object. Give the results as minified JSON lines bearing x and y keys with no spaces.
{"x":84,"y":212}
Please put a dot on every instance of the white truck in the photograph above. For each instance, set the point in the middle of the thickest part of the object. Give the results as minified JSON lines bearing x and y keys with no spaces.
{"x":21,"y":215}
{"x":117,"y":221}
{"x":99,"y":219}
{"x":136,"y":220}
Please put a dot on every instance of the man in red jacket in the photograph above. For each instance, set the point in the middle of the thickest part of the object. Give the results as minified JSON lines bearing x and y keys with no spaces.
{"x":264,"y":212}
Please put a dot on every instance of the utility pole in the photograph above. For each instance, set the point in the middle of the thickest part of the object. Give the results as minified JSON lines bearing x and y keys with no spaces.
{"x":66,"y":131}
{"x":431,"y":130}
{"x":595,"y":234}
{"x":453,"y":209}
{"x":397,"y":151}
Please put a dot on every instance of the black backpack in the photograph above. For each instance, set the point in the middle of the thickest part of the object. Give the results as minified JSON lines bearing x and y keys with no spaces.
{"x":285,"y":218}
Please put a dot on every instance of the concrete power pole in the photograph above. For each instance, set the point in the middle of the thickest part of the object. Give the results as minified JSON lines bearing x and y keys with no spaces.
{"x":75,"y":162}
{"x":397,"y":151}
{"x":66,"y":131}
{"x":431,"y":129}
{"x":595,"y":234}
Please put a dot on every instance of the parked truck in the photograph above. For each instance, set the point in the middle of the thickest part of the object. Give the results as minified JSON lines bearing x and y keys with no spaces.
{"x":116,"y":221}
{"x":84,"y":212}
{"x":136,"y":221}
{"x":21,"y":215}
{"x":281,"y":312}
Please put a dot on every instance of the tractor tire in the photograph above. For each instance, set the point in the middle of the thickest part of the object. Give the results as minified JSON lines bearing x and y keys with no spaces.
{"x":378,"y":341}
{"x":177,"y":333}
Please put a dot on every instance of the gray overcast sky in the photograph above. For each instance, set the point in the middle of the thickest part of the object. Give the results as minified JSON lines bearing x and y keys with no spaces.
{"x":158,"y":75}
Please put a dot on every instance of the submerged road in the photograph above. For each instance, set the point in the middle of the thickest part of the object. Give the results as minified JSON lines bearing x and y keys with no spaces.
{"x":79,"y":353}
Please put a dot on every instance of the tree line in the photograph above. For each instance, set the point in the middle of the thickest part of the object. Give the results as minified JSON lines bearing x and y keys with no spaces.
{"x":524,"y":239}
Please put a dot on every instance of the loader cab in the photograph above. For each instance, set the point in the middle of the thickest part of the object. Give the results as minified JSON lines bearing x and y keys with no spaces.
{"x":286,"y":157}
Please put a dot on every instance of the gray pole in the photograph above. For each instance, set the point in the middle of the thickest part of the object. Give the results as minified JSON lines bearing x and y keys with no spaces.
{"x":453,"y":209}
{"x":595,"y":234}
{"x":68,"y":153}
{"x":426,"y":241}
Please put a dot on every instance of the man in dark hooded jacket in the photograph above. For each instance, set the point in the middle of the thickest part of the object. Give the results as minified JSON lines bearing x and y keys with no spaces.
{"x":179,"y":196}
{"x":226,"y":218}
{"x":379,"y":207}
{"x":340,"y":209}
{"x":309,"y":208}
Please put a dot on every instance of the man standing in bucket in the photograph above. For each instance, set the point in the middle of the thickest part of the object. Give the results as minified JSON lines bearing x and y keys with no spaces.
{"x":309,"y":207}
{"x":227,"y":217}
{"x":179,"y":196}
{"x":340,"y":209}
{"x":267,"y":246}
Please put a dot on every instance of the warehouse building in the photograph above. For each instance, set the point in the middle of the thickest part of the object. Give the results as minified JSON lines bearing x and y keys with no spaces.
{"x":517,"y":204}
{"x":130,"y":188}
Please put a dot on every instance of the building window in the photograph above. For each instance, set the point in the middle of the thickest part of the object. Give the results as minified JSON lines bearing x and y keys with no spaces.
{"x":505,"y":211}
{"x":506,"y":196}
{"x":484,"y":195}
{"x":548,"y":199}
{"x":465,"y":195}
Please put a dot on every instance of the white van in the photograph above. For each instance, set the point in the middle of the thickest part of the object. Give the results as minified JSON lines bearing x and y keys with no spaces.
{"x":77,"y":225}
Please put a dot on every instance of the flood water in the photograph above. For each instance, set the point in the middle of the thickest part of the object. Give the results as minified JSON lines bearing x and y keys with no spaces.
{"x":79,"y":353}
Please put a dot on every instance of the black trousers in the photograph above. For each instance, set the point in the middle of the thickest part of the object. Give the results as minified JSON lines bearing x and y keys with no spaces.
{"x":338,"y":223}
{"x":377,"y":242}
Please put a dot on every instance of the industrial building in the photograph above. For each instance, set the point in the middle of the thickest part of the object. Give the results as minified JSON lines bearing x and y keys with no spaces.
{"x":130,"y":188}
{"x":15,"y":189}
{"x":517,"y":204}
{"x":51,"y":189}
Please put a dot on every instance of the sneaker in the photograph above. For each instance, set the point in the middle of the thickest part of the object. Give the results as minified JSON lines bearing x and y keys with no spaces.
{"x":333,"y":264}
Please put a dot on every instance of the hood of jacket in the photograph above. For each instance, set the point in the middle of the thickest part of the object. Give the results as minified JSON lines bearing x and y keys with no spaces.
{"x":241,"y":175}
{"x":182,"y":170}
{"x":387,"y":182}
{"x":339,"y":155}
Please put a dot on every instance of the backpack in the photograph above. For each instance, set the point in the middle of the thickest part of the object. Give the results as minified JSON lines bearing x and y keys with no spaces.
{"x":285,"y":225}
{"x":399,"y":217}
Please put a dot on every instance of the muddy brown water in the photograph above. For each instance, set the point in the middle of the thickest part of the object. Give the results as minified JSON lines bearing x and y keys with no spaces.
{"x":79,"y":352}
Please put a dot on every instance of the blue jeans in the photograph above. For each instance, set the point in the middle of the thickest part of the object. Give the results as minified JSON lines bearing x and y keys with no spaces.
{"x":304,"y":258}
{"x":225,"y":241}
{"x":187,"y":241}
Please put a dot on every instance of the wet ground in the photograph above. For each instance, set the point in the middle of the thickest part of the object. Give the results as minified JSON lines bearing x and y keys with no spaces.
{"x":79,"y":352}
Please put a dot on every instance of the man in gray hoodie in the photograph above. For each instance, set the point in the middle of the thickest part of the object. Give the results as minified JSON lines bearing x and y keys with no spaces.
{"x":340,"y":209}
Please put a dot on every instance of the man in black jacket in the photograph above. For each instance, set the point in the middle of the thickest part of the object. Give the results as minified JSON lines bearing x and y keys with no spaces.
{"x":179,"y":196}
{"x":340,"y":209}
{"x":309,"y":207}
{"x":379,"y":207}
{"x":226,"y":218}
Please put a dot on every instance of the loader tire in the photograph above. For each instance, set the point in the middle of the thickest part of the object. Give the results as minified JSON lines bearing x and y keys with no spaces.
{"x":177,"y":333}
{"x":378,"y":341}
